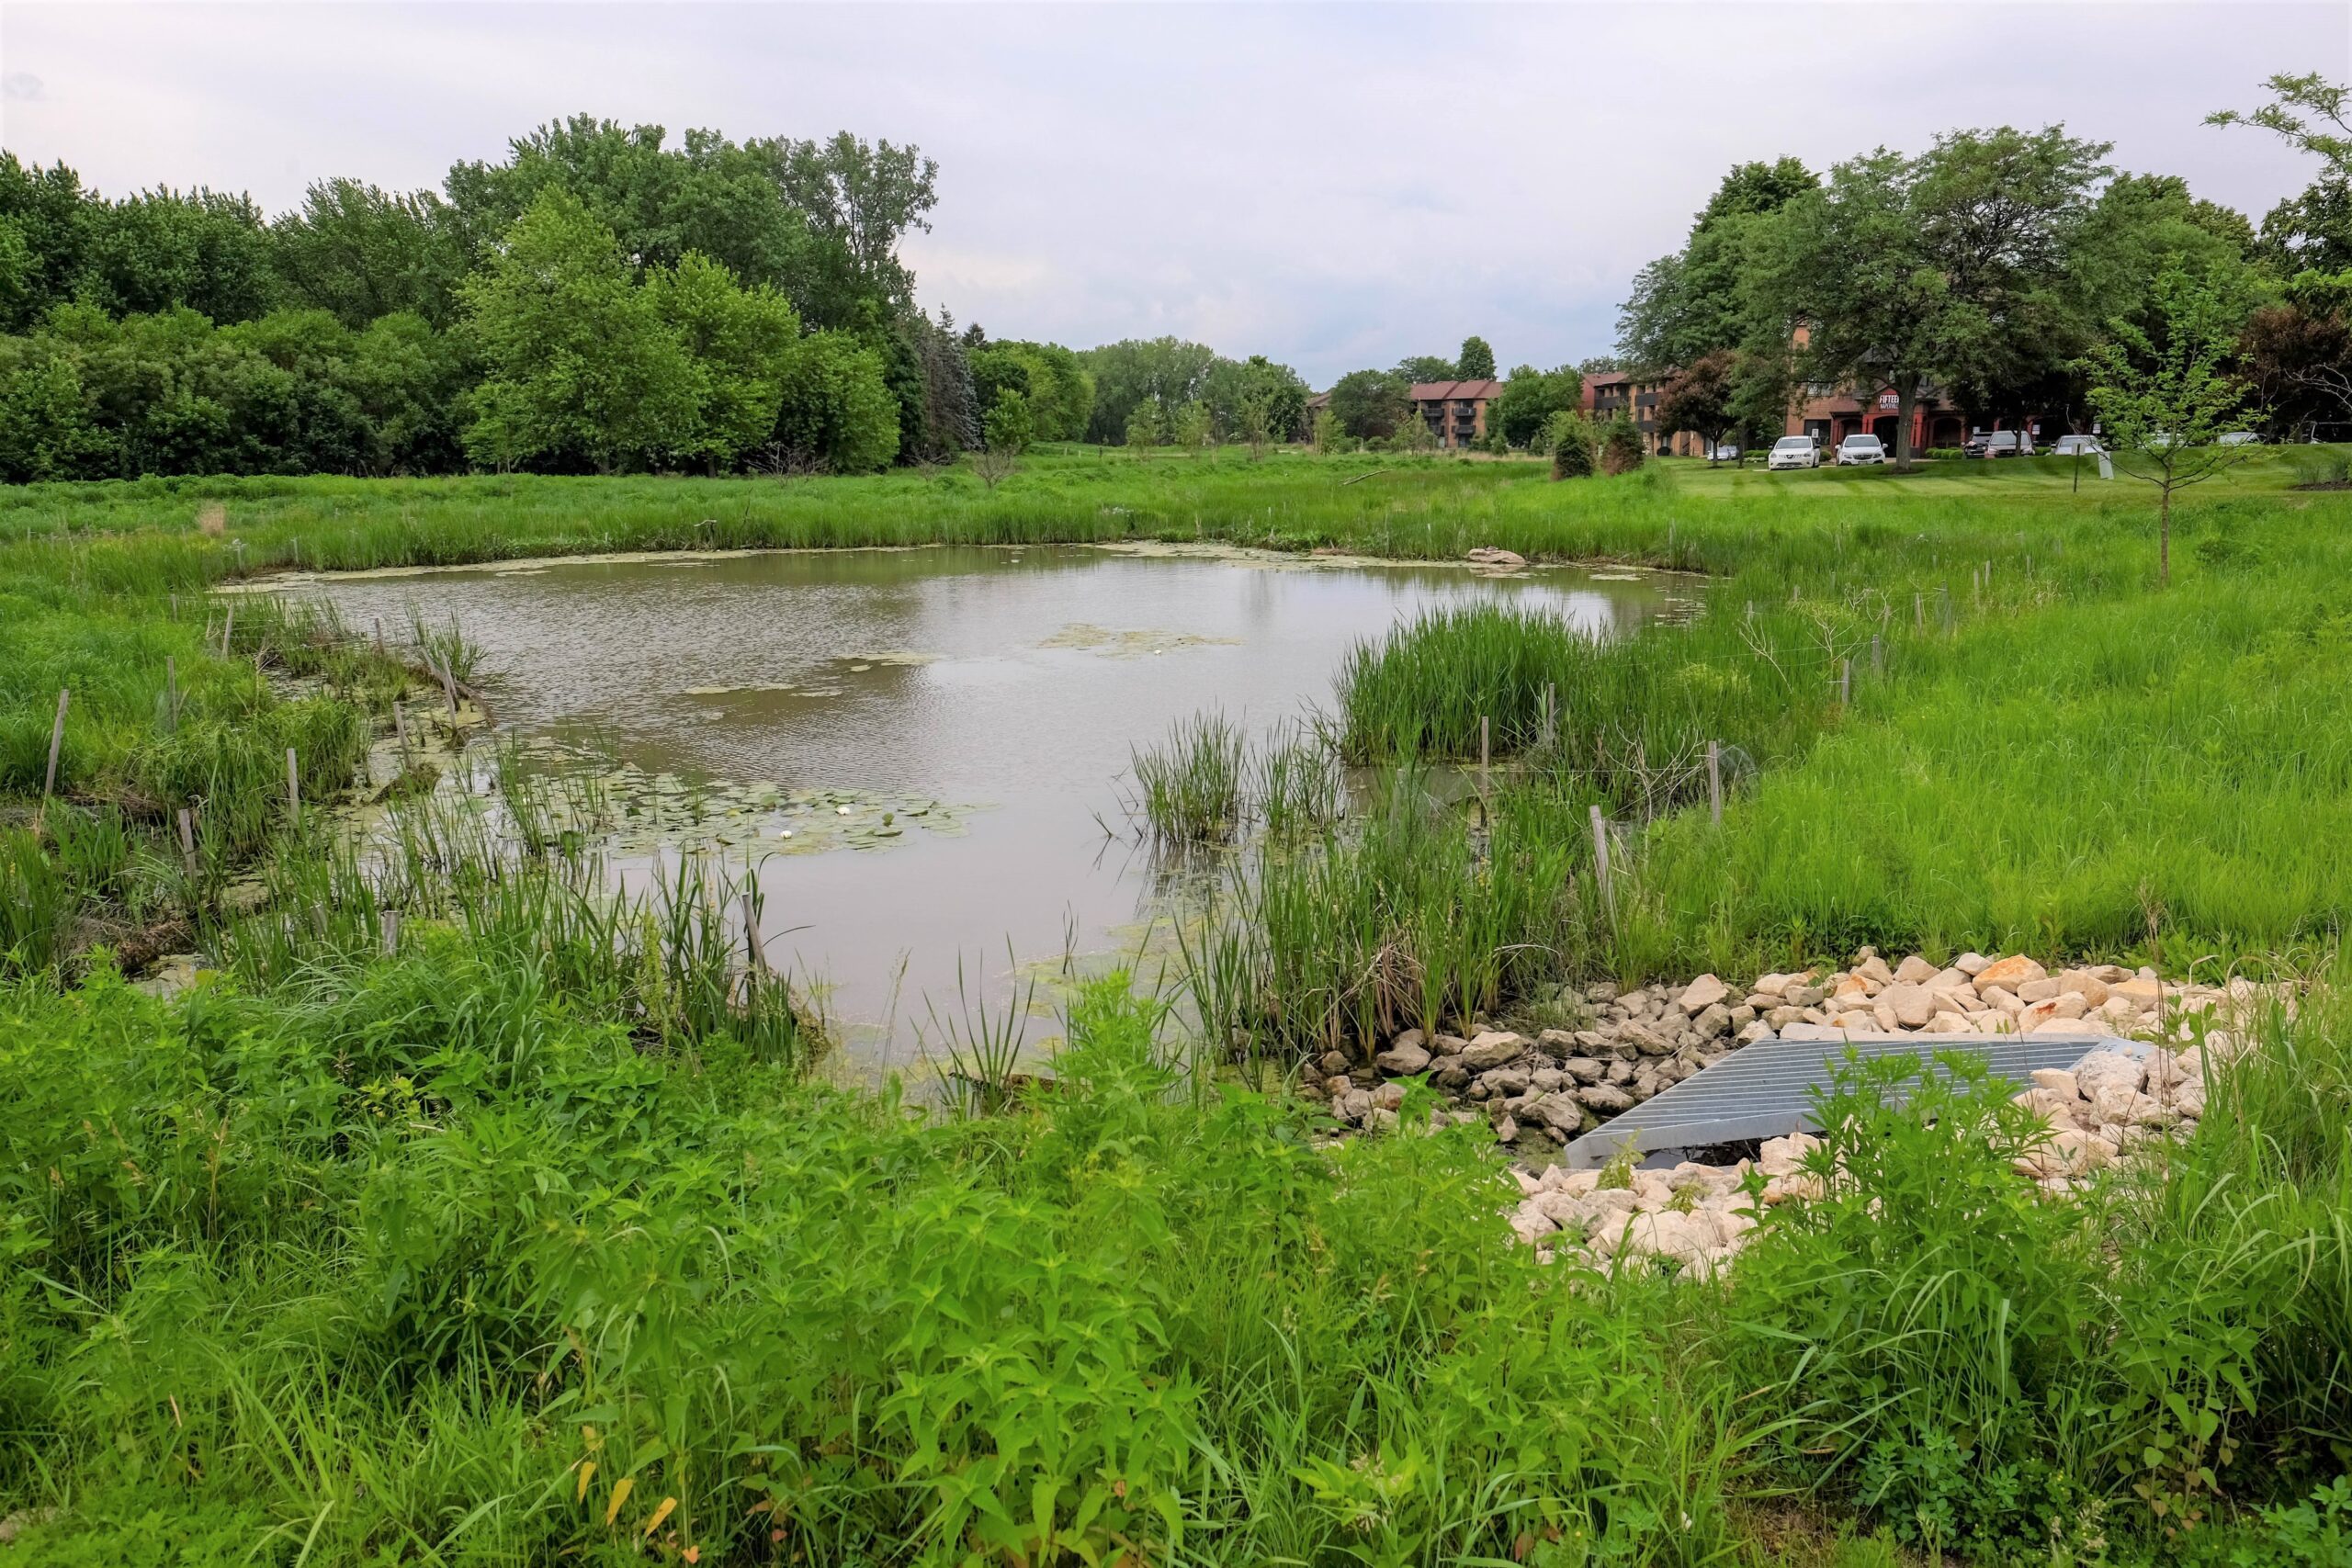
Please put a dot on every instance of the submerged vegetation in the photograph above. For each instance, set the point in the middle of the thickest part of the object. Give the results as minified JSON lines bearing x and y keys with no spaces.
{"x":521,"y":1230}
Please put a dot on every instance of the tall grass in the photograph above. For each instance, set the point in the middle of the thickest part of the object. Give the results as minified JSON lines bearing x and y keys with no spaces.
{"x":424,"y":1235}
{"x":1190,"y":786}
{"x":2006,"y":1376}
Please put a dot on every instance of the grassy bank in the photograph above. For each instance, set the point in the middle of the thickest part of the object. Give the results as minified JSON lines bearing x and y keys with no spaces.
{"x":530,"y":1240}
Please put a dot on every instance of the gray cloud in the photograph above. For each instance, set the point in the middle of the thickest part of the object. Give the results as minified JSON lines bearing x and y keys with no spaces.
{"x":19,"y":87}
{"x":1333,"y":185}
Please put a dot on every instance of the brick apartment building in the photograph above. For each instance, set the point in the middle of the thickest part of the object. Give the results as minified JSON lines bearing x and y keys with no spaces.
{"x":1613,"y":394}
{"x":1455,"y":412}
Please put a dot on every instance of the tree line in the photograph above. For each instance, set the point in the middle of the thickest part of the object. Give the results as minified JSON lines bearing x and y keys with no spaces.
{"x":1997,"y":271}
{"x":598,"y":299}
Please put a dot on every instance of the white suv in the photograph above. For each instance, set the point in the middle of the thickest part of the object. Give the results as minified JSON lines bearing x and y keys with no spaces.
{"x":1794,"y":452}
{"x":1859,"y":449}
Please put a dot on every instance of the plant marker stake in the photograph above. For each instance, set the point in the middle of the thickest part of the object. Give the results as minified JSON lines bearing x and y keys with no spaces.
{"x":448,"y":688}
{"x":390,"y":921}
{"x":188,"y":842}
{"x":171,"y":690}
{"x":293,"y":788}
{"x":1715,"y":782}
{"x":399,"y":728}
{"x":755,"y":947}
{"x":56,"y":741}
{"x":1918,"y":609}
{"x":1878,"y":655}
{"x":227,"y":628}
{"x":1485,"y":755}
{"x":379,"y":637}
{"x":1601,"y":862}
{"x":1550,"y":730}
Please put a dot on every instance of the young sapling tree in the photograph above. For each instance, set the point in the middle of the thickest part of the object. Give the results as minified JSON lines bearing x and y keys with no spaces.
{"x":2164,"y":401}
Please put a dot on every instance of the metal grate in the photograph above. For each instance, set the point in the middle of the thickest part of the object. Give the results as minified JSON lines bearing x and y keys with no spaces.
{"x":1765,"y":1090}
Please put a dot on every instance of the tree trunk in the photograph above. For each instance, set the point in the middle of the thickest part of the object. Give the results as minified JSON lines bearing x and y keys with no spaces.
{"x":1906,"y":398}
{"x":2163,"y":534}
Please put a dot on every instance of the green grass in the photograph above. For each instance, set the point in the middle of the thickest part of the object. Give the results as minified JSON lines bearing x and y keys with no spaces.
{"x":361,"y":1256}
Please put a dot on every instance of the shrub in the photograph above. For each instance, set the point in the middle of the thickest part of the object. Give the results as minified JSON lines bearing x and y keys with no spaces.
{"x":1621,"y":448}
{"x":1571,"y":447}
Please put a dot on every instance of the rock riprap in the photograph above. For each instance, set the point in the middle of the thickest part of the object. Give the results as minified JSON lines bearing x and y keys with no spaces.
{"x":1546,"y":1086}
{"x":2113,"y":1102}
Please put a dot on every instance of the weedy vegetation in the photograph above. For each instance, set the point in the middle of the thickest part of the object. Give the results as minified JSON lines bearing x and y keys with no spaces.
{"x":466,"y":1212}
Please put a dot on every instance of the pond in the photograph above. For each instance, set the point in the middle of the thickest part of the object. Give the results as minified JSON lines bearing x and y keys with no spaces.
{"x":925,"y":751}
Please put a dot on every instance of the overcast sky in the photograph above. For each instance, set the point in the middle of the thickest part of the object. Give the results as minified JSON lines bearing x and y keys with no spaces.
{"x":1336,"y":185}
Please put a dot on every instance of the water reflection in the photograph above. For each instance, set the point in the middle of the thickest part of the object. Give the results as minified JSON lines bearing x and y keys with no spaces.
{"x":1012,"y":681}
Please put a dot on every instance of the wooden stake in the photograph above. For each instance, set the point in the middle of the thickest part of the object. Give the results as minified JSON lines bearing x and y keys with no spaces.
{"x":227,"y":628}
{"x":448,"y":687}
{"x":293,"y":787}
{"x":171,"y":690}
{"x":187,"y":842}
{"x":1878,"y":655}
{"x":56,"y":743}
{"x":1485,"y":755}
{"x":399,"y":728}
{"x":1551,"y":722}
{"x":755,"y":947}
{"x":1844,"y":681}
{"x":1601,"y":862}
{"x":389,"y":922}
{"x":379,"y":637}
{"x":1918,"y":609}
{"x":1715,"y":782}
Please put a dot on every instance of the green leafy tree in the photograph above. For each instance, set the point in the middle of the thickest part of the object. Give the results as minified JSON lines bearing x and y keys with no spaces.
{"x":1006,"y":431}
{"x":2307,"y":111}
{"x":363,"y":253}
{"x":581,"y":365}
{"x":858,"y":201}
{"x":1524,"y":407}
{"x":1700,"y":397}
{"x":1146,"y":429}
{"x":1476,"y":361}
{"x":1371,"y":404}
{"x":1254,"y":424}
{"x":836,"y":412}
{"x":410,"y":382}
{"x":1693,"y":302}
{"x":1191,"y":426}
{"x":741,"y":341}
{"x":46,"y":215}
{"x":1325,"y":434}
{"x":1414,"y":434}
{"x":164,"y":250}
{"x":1952,"y":265}
{"x":2164,"y":399}
{"x":1415,"y":367}
{"x":47,"y":428}
{"x":1571,"y":438}
{"x":1168,"y":371}
{"x":996,"y":368}
{"x":1620,"y":446}
{"x":1276,"y":389}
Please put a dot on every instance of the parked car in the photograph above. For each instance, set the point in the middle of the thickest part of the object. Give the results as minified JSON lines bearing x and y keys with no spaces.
{"x":2239,"y":438}
{"x":2076,"y":446}
{"x":1728,"y":452}
{"x":1998,"y":444}
{"x":1795,"y":452}
{"x":1859,"y":449}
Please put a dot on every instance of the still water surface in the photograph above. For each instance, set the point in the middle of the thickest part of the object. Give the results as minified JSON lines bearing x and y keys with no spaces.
{"x":1008,"y":686}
